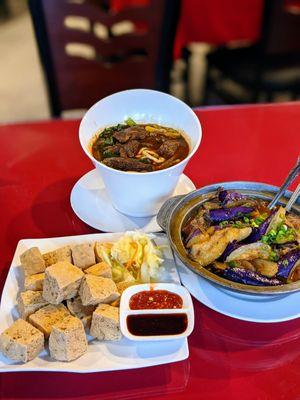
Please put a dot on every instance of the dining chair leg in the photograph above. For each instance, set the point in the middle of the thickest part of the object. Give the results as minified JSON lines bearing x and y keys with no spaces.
{"x":208,"y":86}
{"x":186,"y":54}
{"x":294,"y":95}
{"x":269,"y":96}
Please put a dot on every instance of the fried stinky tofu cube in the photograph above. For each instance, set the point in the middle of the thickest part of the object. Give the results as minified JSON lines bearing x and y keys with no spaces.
{"x":29,"y":302}
{"x":62,"y":254}
{"x":32,"y":261}
{"x":105,"y":323}
{"x":21,"y":341}
{"x":44,"y":318}
{"x":62,"y":281}
{"x":34,"y":282}
{"x":67,"y":339}
{"x":84,"y":313}
{"x":95,"y":289}
{"x":100,"y":269}
{"x":83,"y":255}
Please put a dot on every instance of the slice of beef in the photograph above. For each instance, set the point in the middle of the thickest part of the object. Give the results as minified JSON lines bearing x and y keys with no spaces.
{"x":127,"y":164}
{"x":131,"y":148}
{"x":132,"y":132}
{"x":137,"y":132}
{"x":153,"y":139}
{"x":121,"y":136}
{"x":168,"y":148}
{"x":115,"y":149}
{"x":157,"y":137}
{"x":123,"y":152}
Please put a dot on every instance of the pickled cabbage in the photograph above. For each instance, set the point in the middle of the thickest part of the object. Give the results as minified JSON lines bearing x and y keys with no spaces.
{"x":139,"y":255}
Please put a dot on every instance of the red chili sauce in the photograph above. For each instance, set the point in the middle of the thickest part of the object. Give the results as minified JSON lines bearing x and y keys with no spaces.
{"x":155,"y":299}
{"x":157,"y":324}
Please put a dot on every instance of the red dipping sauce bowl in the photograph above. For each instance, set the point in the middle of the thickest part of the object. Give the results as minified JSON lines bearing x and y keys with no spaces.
{"x":156,"y":311}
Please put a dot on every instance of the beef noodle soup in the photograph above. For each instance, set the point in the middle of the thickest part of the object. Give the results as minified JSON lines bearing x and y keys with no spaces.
{"x":139,"y":147}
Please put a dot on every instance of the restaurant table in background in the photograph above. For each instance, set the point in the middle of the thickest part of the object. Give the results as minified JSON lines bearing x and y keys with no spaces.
{"x":211,"y":21}
{"x":229,"y":359}
{"x":218,"y":22}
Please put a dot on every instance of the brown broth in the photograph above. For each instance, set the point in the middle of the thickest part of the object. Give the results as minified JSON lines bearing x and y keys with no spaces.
{"x":152,"y":141}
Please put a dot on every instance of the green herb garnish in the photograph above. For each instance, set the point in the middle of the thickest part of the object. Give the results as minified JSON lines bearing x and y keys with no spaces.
{"x":283,"y":234}
{"x":237,"y":224}
{"x":256,"y":222}
{"x":108,"y":153}
{"x":232,"y":264}
{"x":108,"y":132}
{"x":273,"y":256}
{"x":129,"y":121}
{"x":223,"y":223}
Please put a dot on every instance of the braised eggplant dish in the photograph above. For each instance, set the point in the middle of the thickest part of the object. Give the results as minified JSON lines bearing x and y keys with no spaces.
{"x":139,"y":147}
{"x":238,"y":238}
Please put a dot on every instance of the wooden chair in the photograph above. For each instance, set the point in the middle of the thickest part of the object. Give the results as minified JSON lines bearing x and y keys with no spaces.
{"x":85,"y":57}
{"x":263,"y":69}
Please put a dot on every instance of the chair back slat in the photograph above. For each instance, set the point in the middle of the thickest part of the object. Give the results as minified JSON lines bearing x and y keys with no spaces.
{"x":120,"y":45}
{"x":90,"y":52}
{"x":56,"y":10}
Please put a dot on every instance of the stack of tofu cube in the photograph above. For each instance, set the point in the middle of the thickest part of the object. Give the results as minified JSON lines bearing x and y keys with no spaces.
{"x":67,"y":292}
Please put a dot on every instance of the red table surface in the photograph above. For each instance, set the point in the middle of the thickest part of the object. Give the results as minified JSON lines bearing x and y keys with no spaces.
{"x":231,"y":359}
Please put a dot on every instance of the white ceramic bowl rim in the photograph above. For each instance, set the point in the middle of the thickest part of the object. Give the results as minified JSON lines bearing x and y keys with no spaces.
{"x":188,"y":109}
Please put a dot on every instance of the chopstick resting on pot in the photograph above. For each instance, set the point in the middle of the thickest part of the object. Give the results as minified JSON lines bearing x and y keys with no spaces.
{"x":293,"y":198}
{"x":290,"y":178}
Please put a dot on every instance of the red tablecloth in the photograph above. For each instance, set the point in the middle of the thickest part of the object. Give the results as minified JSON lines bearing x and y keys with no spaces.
{"x":229,"y":359}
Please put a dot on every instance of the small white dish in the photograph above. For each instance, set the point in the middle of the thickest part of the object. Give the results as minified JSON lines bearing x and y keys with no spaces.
{"x":134,"y":193}
{"x":246,"y":307}
{"x":126,"y":311}
{"x":91,"y":203}
{"x":101,"y":355}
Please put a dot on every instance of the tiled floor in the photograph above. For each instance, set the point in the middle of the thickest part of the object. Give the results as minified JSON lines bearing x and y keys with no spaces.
{"x":22,"y":90}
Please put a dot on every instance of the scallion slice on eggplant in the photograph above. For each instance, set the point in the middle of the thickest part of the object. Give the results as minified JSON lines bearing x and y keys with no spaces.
{"x":257,"y":233}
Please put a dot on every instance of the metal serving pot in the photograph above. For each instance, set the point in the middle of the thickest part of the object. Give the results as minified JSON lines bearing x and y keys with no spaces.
{"x":176,"y":210}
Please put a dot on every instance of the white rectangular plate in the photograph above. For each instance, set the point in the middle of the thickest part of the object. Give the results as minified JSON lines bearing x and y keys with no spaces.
{"x":101,"y":356}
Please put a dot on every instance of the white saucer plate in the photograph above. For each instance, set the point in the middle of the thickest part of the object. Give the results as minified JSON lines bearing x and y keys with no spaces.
{"x":101,"y":355}
{"x":90,"y":202}
{"x":246,"y":307}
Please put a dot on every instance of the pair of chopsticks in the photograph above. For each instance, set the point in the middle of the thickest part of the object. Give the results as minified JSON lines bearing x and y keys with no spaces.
{"x":290,"y":178}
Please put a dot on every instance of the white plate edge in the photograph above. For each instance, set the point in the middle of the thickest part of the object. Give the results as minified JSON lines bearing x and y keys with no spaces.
{"x":181,"y":354}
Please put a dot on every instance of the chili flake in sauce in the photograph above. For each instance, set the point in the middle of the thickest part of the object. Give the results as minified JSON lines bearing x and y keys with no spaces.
{"x":155,"y":299}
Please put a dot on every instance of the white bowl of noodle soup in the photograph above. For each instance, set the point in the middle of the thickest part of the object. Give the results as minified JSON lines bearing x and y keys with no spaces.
{"x":140,"y":194}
